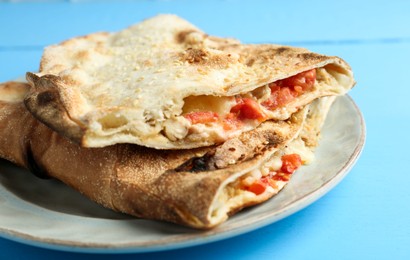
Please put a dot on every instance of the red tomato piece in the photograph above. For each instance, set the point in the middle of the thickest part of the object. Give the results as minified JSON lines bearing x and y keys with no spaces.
{"x":231,"y":122}
{"x":258,"y":187}
{"x":280,"y":96}
{"x":285,"y":90}
{"x":290,"y":162}
{"x":202,"y":117}
{"x":247,"y":108}
{"x":285,"y":95}
{"x":305,"y":79}
{"x":280,"y":176}
{"x":251,"y":109}
{"x":236,"y":109}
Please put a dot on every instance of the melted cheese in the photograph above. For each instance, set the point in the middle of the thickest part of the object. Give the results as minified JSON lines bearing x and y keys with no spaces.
{"x":219,"y":105}
{"x":175,"y":127}
{"x":232,"y":195}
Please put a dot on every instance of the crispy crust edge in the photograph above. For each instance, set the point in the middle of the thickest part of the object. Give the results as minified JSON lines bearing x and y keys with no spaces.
{"x":44,"y":103}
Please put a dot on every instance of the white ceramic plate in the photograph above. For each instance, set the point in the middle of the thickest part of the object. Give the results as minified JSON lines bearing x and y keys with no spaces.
{"x":48,"y":214}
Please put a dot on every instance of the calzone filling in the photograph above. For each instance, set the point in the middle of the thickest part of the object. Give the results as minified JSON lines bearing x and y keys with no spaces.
{"x":262,"y":182}
{"x":221,"y":118}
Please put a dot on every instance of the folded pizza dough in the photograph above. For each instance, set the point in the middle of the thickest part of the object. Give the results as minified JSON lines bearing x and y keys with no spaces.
{"x":199,"y":187}
{"x":164,"y":83}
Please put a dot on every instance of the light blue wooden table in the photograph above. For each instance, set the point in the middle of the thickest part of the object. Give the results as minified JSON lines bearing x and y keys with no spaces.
{"x":367,"y":216}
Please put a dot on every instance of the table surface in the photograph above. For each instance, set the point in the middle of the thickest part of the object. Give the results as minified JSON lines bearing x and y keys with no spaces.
{"x":367,"y":215}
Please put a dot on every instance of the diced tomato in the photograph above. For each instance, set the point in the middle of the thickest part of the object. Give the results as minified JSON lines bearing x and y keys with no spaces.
{"x":285,"y":90}
{"x":305,"y":79}
{"x":284,"y":96}
{"x":281,"y":176}
{"x":231,"y":122}
{"x":247,"y":108}
{"x":236,"y":109}
{"x":251,"y":109}
{"x":290,"y":162}
{"x":202,"y":117}
{"x":258,"y":187}
{"x":280,"y":96}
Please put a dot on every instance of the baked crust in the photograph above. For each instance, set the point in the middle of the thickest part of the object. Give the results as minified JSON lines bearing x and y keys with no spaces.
{"x":108,"y":88}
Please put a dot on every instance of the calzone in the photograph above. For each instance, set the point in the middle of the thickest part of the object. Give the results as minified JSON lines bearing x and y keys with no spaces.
{"x":164,"y":83}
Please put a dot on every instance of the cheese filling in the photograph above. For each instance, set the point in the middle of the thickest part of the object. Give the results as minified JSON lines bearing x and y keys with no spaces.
{"x":261,"y":183}
{"x":220,"y":118}
{"x":206,"y":120}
